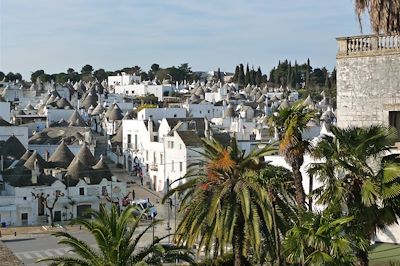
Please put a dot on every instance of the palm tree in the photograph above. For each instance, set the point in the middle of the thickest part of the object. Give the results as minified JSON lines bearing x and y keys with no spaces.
{"x":223,"y":205}
{"x":278,"y":181}
{"x":292,"y":121}
{"x":360,"y":177}
{"x":116,"y":243}
{"x":384,"y":14}
{"x":320,"y":239}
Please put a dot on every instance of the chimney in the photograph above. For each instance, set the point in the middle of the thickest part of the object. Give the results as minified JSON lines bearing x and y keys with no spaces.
{"x":150,"y":129}
{"x":206,"y":129}
{"x":46,"y":155}
{"x":35,"y":173}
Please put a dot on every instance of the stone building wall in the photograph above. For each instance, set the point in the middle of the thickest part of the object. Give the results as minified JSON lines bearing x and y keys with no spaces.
{"x":368,"y":83}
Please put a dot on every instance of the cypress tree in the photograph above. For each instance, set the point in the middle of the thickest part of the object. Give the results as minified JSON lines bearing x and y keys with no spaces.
{"x":219,"y":76}
{"x":241,"y":75}
{"x":308,"y":73}
{"x":247,"y":76}
{"x":258,"y":77}
{"x":252,"y":76}
{"x":236,"y":75}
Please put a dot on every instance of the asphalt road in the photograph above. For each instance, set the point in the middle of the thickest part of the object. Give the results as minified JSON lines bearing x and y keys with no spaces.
{"x":35,"y":247}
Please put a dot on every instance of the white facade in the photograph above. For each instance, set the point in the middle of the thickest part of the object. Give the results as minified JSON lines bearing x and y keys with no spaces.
{"x":123,"y":79}
{"x":19,"y":207}
{"x":5,"y":111}
{"x":207,"y":110}
{"x":157,"y":114}
{"x":143,"y":89}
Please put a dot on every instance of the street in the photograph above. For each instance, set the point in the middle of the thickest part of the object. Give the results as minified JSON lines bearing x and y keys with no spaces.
{"x":34,"y":247}
{"x":31,"y":247}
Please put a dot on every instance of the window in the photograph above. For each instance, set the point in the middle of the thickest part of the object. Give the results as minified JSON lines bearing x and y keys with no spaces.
{"x":161,"y":158}
{"x":208,"y":111}
{"x":103,"y":190}
{"x":172,"y":144}
{"x":180,"y":146}
{"x":135,"y":142}
{"x":200,"y":112}
{"x":154,"y":158}
{"x":24,"y":198}
{"x":180,"y":166}
{"x":172,"y":166}
{"x":175,"y":115}
{"x":129,"y":139}
{"x":81,"y":191}
{"x":147,"y":155}
{"x":394,"y":121}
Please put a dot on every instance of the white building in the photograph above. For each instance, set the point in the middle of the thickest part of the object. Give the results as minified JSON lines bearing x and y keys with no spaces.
{"x":143,"y":89}
{"x":123,"y":79}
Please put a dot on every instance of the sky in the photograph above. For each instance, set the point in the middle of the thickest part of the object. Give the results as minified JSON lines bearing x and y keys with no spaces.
{"x":207,"y":34}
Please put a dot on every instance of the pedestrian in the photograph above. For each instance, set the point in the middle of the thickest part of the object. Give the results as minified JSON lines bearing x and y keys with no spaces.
{"x":141,"y":180}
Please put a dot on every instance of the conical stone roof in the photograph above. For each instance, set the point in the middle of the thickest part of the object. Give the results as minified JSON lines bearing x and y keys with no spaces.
{"x":76,"y":120}
{"x":86,"y":156}
{"x":102,"y":170}
{"x":4,"y":123}
{"x":77,"y":169}
{"x":62,"y":156}
{"x":98,"y":110}
{"x":13,"y":147}
{"x":30,"y":163}
{"x":24,"y":158}
{"x":115,"y":114}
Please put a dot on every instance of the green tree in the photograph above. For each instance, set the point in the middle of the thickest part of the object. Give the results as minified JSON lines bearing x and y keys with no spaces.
{"x":219,"y":76}
{"x":10,"y":76}
{"x":360,"y":178}
{"x":100,"y":74}
{"x":258,"y":77}
{"x":247,"y":78}
{"x":384,"y":15}
{"x":222,"y":203}
{"x":320,"y":239}
{"x":87,"y":70}
{"x":241,"y":79}
{"x":61,"y":78}
{"x":37,"y":74}
{"x":186,"y":71}
{"x":117,"y":242}
{"x":278,"y":182}
{"x":236,"y":75}
{"x":291,"y":122}
{"x":2,"y":75}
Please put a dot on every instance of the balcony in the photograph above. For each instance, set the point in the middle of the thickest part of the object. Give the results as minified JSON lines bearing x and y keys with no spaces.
{"x":367,"y":45}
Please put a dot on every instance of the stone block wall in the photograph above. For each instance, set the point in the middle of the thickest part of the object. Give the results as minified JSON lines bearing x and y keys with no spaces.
{"x":368,"y":87}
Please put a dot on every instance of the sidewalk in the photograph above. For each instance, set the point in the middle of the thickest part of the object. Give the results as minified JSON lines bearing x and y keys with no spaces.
{"x":24,"y":232}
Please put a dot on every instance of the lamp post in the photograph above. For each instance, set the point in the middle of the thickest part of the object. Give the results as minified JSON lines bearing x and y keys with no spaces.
{"x":169,"y":207}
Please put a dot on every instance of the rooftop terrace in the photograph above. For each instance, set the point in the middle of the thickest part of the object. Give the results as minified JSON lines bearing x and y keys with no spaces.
{"x":368,"y":45}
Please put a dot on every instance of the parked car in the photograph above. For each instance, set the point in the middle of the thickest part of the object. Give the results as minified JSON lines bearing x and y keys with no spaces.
{"x":144,"y":205}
